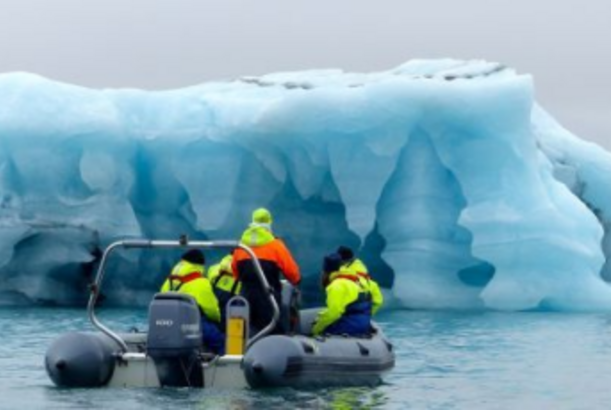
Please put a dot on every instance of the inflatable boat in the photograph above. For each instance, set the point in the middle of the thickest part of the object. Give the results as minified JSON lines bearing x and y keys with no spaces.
{"x":170,"y":353}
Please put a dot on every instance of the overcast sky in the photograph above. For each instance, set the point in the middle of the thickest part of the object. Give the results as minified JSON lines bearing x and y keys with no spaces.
{"x":160,"y":44}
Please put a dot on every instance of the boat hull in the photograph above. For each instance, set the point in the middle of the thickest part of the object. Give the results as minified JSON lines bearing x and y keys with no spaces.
{"x":95,"y":360}
{"x":299,"y":361}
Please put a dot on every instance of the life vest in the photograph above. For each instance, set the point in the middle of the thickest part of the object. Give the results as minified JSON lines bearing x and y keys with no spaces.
{"x":182,"y":279}
{"x":222,"y":287}
{"x":189,"y":278}
{"x":362,"y":305}
{"x":223,"y":292}
{"x":357,"y":267}
{"x":356,"y":319}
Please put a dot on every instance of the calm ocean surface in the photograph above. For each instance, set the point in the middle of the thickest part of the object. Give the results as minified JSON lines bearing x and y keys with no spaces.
{"x":444,"y":361}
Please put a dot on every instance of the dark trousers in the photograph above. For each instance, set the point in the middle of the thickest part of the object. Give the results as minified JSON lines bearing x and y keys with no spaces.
{"x":352,"y":325}
{"x":261,"y":310}
{"x":213,"y":338}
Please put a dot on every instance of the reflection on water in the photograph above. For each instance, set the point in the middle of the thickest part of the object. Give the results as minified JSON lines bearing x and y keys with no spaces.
{"x":444,"y":361}
{"x":336,"y":399}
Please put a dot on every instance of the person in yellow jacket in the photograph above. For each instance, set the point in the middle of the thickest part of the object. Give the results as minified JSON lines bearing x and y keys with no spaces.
{"x":188,"y":277}
{"x":352,"y":264}
{"x":348,"y":308}
{"x":224,"y":285}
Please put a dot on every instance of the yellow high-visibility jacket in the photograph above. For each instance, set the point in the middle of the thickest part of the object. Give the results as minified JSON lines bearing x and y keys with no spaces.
{"x":221,"y":276}
{"x":341,"y":293}
{"x":357,"y":267}
{"x":189,"y":278}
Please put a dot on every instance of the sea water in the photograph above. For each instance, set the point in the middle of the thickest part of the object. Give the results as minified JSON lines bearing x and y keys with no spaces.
{"x":444,"y":361}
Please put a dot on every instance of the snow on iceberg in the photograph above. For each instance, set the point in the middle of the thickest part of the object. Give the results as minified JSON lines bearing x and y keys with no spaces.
{"x":460,"y":192}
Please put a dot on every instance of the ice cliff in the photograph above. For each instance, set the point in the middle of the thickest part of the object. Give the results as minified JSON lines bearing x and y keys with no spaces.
{"x":460,"y":191}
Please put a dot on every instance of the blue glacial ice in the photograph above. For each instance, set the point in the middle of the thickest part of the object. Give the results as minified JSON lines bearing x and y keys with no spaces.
{"x":458,"y":189}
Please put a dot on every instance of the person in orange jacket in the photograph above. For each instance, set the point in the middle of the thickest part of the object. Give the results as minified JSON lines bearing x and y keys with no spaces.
{"x":276,"y":261}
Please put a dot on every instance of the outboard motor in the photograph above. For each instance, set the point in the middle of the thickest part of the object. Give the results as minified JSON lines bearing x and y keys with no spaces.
{"x":175,"y":339}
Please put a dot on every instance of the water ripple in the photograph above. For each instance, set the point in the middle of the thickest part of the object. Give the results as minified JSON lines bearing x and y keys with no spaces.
{"x":444,"y":361}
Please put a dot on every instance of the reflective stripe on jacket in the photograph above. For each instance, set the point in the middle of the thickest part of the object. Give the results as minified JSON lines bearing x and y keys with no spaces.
{"x":224,"y":285}
{"x":269,"y":249}
{"x":358,"y":267}
{"x":348,"y":306}
{"x":188,"y":278}
{"x":222,"y":279}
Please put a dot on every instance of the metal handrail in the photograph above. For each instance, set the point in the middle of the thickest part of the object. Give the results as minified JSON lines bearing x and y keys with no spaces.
{"x":182,"y":243}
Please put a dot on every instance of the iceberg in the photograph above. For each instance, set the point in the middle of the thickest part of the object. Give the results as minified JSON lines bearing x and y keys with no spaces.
{"x":456,"y":187}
